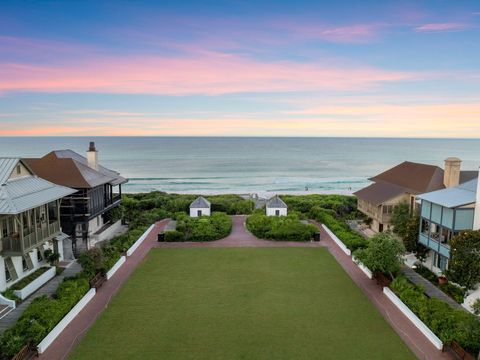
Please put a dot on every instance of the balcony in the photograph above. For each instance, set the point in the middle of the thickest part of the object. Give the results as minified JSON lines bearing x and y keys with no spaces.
{"x":19,"y":244}
{"x":443,"y":249}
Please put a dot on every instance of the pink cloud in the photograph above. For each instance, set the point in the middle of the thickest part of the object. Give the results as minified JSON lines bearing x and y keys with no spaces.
{"x":433,"y":27}
{"x":207,"y":73}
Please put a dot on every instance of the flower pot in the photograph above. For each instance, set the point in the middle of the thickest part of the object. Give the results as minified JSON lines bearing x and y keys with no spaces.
{"x":442,"y":280}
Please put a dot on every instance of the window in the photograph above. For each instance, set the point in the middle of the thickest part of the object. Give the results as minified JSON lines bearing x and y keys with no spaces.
{"x":425,"y":226}
{"x":39,"y":256}
{"x":24,"y":264}
{"x":19,"y":169}
{"x":7,"y":274}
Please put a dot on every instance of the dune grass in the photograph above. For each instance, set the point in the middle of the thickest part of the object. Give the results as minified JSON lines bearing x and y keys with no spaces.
{"x":241,"y":303}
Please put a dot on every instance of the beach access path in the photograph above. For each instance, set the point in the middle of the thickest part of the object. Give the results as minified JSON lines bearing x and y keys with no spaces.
{"x":240,"y":237}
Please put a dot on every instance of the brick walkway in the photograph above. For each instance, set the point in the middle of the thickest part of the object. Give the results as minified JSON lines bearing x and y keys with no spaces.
{"x":81,"y":323}
{"x":239,"y":237}
{"x":415,"y":340}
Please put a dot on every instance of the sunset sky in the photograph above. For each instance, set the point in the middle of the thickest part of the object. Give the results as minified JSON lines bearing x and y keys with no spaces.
{"x":240,"y":68}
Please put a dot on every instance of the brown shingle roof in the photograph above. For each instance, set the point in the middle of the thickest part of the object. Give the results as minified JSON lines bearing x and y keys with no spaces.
{"x":67,"y":168}
{"x":415,"y":178}
{"x":379,"y":192}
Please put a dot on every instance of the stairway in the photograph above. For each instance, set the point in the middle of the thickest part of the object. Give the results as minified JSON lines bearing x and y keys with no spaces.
{"x":4,"y":310}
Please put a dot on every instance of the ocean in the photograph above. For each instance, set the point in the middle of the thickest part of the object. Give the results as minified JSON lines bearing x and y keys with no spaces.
{"x":264,"y":166}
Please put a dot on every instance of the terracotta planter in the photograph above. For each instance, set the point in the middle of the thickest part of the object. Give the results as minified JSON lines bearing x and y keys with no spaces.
{"x":442,"y":280}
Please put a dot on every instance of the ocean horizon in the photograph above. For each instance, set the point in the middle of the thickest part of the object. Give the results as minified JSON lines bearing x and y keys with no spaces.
{"x":246,"y":165}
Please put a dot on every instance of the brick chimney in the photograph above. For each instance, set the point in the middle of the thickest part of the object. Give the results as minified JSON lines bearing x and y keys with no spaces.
{"x":92,"y":156}
{"x":451,"y":175}
{"x":476,"y":216}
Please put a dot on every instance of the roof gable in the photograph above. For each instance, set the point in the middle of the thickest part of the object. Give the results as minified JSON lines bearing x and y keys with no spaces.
{"x":67,"y":168}
{"x":379,"y":192}
{"x":276,"y":202}
{"x":200,"y":203}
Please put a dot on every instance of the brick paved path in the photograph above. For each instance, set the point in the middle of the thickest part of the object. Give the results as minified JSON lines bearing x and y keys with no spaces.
{"x":414,"y":339}
{"x":241,"y":238}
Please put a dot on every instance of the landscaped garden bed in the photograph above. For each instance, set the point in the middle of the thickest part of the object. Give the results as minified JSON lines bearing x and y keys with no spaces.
{"x":281,"y":228}
{"x":204,"y":228}
{"x":447,"y":323}
{"x":455,"y":292}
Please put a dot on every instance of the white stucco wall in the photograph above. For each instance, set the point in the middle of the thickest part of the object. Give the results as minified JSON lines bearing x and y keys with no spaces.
{"x":273,"y":211}
{"x":194,"y":212}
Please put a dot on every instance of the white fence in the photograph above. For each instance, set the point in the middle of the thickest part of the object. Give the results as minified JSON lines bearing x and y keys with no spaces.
{"x":115,"y":267}
{"x":52,"y":335}
{"x":35,"y":284}
{"x":419,"y":324}
{"x":362,"y":267}
{"x":139,"y":241}
{"x":339,"y":242}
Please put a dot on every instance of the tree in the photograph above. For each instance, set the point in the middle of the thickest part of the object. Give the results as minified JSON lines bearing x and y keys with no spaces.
{"x":400,"y":219}
{"x":464,"y":266}
{"x":383,"y":254}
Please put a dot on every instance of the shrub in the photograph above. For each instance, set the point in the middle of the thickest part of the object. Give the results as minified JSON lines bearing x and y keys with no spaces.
{"x":476,"y":307}
{"x":327,"y":217}
{"x":447,"y":323}
{"x":383,"y":254}
{"x":282,"y":228}
{"x":41,"y":316}
{"x":455,"y":292}
{"x":427,"y":273}
{"x":174,"y":236}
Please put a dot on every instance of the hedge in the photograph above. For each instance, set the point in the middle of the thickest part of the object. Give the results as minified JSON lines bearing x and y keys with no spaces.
{"x":41,"y":316}
{"x":281,"y":228}
{"x":204,"y":228}
{"x":447,"y":323}
{"x":44,"y":313}
{"x":455,"y":292}
{"x":327,"y":217}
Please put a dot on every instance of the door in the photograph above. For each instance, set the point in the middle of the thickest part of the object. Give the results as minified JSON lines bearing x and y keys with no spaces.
{"x":199,"y":212}
{"x":277,"y":212}
{"x":380,"y":227}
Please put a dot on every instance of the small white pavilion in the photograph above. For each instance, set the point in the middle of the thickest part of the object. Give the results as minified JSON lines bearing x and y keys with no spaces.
{"x":276,"y":207}
{"x":200,"y":207}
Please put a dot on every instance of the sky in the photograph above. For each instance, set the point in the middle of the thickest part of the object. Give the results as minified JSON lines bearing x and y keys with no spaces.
{"x":240,"y":68}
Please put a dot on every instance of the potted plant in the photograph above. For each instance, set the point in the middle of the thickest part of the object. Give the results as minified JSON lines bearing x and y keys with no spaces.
{"x":442,"y":279}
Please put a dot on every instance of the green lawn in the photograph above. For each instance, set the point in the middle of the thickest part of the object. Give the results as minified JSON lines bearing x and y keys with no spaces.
{"x":243,"y":303}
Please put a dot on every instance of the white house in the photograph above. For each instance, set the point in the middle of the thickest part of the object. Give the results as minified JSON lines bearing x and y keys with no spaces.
{"x":200,"y":207}
{"x":276,"y":207}
{"x":29,"y":220}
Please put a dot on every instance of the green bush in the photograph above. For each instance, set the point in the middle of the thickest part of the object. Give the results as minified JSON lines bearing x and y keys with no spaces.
{"x":476,"y":307}
{"x":327,"y":217}
{"x":204,"y":228}
{"x":282,"y":228}
{"x":174,"y":236}
{"x":455,"y":292}
{"x":447,"y":323}
{"x":427,"y":273}
{"x":41,"y":316}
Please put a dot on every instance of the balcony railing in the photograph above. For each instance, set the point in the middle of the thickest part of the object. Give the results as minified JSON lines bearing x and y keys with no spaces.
{"x":21,"y":244}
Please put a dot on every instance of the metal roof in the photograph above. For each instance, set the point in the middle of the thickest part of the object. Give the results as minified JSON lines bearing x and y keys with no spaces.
{"x":276,"y":202}
{"x":461,"y":195}
{"x":200,"y":203}
{"x":27,"y":192}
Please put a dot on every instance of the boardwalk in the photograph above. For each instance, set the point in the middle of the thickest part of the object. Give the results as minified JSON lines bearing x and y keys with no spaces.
{"x":241,"y":238}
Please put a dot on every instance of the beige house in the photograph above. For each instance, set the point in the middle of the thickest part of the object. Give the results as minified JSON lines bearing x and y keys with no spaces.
{"x":403,"y":183}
